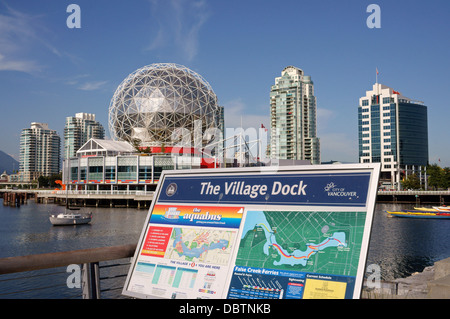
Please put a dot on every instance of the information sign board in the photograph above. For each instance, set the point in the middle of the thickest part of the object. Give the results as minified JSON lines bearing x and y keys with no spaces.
{"x":299,"y":232}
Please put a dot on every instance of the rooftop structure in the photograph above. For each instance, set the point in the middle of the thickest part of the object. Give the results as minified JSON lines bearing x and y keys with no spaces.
{"x":100,"y":147}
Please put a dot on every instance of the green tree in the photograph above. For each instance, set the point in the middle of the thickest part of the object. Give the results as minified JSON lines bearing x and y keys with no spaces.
{"x":43,"y":181}
{"x":411,"y":182}
{"x":53,"y":178}
{"x":438,"y":177}
{"x":446,"y":178}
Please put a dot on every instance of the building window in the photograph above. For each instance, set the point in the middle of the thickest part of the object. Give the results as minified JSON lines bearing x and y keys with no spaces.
{"x":96,"y":172}
{"x":83,"y":173}
{"x":145,"y":172}
{"x":365,"y":102}
{"x":74,"y":173}
{"x":126,"y":172}
{"x":110,"y":172}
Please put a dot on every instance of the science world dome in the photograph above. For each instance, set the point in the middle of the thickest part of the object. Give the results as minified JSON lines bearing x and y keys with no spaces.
{"x":154,"y":101}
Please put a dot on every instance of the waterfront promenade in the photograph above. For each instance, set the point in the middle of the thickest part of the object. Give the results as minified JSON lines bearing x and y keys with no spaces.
{"x":97,"y":198}
{"x":143,"y":198}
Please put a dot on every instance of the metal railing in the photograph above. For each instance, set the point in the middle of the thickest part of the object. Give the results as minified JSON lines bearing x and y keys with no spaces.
{"x":102,"y":273}
{"x":414,"y":192}
{"x":81,"y":192}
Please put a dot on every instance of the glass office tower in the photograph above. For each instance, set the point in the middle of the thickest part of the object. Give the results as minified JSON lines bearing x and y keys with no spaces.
{"x":393,"y":130}
{"x":293,"y":117}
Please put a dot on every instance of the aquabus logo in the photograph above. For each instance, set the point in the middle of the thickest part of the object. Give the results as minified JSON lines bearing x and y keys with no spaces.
{"x":171,"y":189}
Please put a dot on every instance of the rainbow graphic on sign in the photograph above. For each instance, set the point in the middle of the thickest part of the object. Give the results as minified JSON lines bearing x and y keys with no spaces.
{"x":213,"y":216}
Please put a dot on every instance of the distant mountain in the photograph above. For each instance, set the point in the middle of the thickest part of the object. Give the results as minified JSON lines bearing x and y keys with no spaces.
{"x":7,"y":163}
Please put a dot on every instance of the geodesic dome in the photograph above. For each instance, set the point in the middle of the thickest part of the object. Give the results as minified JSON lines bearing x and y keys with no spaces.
{"x":155,"y":100}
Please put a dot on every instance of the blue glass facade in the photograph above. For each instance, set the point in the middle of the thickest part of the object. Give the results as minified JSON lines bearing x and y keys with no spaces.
{"x":413,"y":134}
{"x":393,"y":131}
{"x":375,"y":132}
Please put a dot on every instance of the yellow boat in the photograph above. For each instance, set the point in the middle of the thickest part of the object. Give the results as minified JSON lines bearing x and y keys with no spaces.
{"x":426,"y":209}
{"x":419,"y":214}
{"x":441,"y":209}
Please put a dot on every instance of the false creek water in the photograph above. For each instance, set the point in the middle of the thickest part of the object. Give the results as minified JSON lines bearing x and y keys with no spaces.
{"x":399,"y":246}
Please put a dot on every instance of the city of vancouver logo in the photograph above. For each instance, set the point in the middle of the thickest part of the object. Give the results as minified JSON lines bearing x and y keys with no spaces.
{"x":171,"y":189}
{"x":333,"y":190}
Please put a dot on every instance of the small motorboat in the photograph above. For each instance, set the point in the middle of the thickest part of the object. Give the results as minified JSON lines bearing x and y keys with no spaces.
{"x":65,"y":218}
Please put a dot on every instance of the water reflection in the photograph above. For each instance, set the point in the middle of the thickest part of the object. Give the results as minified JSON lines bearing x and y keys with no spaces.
{"x":27,"y":230}
{"x":402,"y":246}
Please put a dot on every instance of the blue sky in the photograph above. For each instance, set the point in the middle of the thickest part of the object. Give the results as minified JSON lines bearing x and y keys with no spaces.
{"x":49,"y":72}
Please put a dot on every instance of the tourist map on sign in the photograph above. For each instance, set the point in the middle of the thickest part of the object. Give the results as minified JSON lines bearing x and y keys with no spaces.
{"x":201,"y":245}
{"x":319,"y":242}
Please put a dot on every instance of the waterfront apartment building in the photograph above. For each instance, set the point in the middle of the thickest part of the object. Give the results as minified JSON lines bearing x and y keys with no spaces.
{"x":293,"y":117}
{"x":393,"y":130}
{"x":78,"y":130}
{"x":40,"y":149}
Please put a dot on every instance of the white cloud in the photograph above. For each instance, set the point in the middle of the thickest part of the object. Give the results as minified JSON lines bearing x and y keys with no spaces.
{"x":91,"y":86}
{"x":338,"y":147}
{"x":74,"y":80}
{"x":179,"y":23}
{"x":21,"y":35}
{"x":235,"y":116}
{"x":10,"y":64}
{"x":238,"y":122}
{"x":324,"y":116}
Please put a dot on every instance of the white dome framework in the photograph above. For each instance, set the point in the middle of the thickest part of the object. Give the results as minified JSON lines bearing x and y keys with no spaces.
{"x":155,"y":100}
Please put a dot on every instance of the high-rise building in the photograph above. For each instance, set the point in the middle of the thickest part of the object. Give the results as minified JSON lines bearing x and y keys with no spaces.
{"x":40,"y":150}
{"x":78,"y":130}
{"x":393,"y":130}
{"x":293,"y":117}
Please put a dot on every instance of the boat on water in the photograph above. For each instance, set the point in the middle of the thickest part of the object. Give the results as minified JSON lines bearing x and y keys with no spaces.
{"x":444,"y":209}
{"x":65,"y":218}
{"x":69,"y":217}
{"x":420,"y":214}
